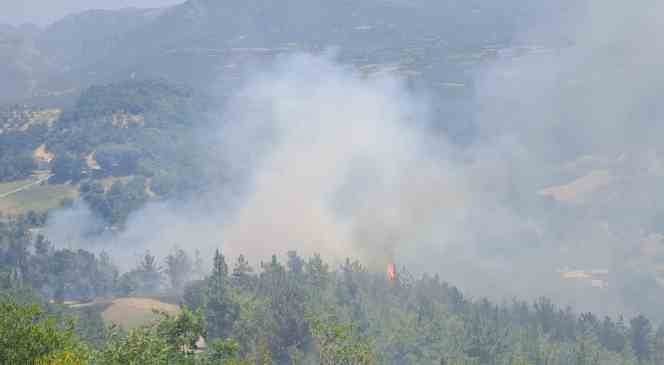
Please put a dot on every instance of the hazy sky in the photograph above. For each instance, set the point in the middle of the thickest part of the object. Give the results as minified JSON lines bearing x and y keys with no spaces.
{"x":43,"y":12}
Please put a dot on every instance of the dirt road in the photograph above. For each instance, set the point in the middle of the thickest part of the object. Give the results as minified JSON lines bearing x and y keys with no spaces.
{"x":25,"y":187}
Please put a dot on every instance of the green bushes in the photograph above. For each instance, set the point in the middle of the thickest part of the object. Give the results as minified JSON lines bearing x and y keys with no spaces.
{"x":29,"y":335}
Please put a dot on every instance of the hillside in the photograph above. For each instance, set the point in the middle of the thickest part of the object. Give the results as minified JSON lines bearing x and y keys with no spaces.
{"x":304,"y":309}
{"x":189,"y":42}
{"x":22,"y":65}
{"x":521,"y":131}
{"x":141,"y":131}
{"x":79,"y":40}
{"x":208,"y":45}
{"x":454,"y":182}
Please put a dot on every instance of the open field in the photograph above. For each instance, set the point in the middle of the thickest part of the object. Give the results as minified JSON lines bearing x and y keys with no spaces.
{"x":37,"y":197}
{"x":130,"y":313}
{"x":8,"y":187}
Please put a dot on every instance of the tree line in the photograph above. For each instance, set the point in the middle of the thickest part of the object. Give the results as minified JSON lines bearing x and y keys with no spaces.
{"x":299,"y":311}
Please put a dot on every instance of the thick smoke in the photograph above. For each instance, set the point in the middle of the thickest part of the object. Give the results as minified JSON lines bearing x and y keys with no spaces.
{"x":340,"y":164}
{"x":322,"y":160}
{"x":573,"y":135}
{"x":566,"y":169}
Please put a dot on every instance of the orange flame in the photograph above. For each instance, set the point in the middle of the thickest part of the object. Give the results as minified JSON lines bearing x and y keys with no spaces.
{"x":391,"y":272}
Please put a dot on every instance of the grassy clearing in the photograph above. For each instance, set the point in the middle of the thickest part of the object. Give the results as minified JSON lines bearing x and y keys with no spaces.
{"x":39,"y":198}
{"x":13,"y":185}
{"x":130,"y":313}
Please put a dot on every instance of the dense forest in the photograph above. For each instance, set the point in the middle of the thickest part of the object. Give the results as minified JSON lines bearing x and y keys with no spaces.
{"x":299,"y":311}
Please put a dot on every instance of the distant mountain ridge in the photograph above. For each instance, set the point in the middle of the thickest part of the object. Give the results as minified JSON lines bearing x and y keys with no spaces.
{"x":192,"y":41}
{"x":84,"y":38}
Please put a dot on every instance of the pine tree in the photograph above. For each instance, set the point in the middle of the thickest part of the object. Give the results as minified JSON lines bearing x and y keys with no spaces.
{"x":149,"y":274}
{"x":107,"y":275}
{"x":659,"y":345}
{"x":242,"y":273}
{"x":39,"y":277}
{"x":221,"y":311}
{"x":640,"y":329}
{"x":178,"y":269}
{"x":198,"y":271}
{"x":317,"y":272}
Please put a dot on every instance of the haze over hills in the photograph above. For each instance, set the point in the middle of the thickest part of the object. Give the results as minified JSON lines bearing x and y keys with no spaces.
{"x":537,"y":160}
{"x":42,"y":14}
{"x":512,"y":148}
{"x":103,"y":46}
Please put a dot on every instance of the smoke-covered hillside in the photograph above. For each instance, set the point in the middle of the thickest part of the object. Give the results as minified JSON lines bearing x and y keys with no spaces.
{"x":511,"y":147}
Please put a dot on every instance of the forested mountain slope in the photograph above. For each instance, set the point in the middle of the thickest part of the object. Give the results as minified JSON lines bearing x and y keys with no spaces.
{"x":302,"y":310}
{"x":527,"y":158}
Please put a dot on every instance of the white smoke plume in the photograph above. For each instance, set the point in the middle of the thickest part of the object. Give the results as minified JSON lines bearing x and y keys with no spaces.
{"x":566,"y":168}
{"x":342,"y":168}
{"x":323,"y":160}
